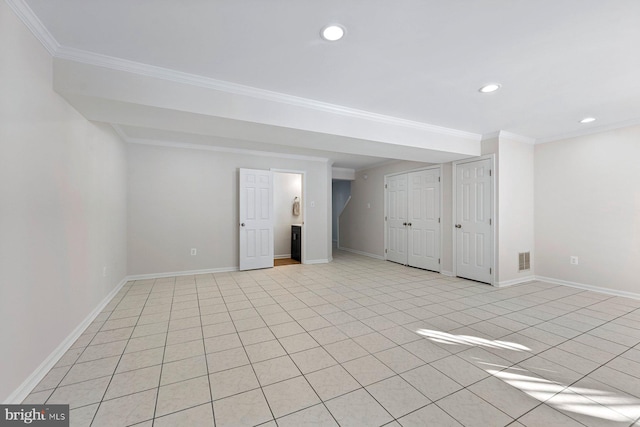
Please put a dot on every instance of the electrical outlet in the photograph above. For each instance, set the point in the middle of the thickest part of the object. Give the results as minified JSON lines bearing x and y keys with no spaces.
{"x":573,"y":260}
{"x":194,"y":251}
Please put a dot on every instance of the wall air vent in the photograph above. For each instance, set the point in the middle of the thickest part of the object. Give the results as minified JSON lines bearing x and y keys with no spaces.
{"x":524,"y":261}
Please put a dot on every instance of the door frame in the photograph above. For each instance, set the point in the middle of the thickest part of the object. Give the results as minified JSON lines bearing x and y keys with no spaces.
{"x":494,"y":213}
{"x":386,"y":206}
{"x":303,"y":259}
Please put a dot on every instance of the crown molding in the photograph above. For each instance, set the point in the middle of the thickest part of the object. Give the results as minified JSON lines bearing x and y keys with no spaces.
{"x":509,"y":135}
{"x":590,"y":131}
{"x":33,"y":23}
{"x":174,"y":144}
{"x":153,"y":71}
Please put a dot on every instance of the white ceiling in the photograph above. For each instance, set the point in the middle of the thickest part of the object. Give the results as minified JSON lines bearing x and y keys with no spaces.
{"x":423,"y":60}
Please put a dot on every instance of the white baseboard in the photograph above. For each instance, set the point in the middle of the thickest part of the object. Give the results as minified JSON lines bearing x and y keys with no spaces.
{"x":316,"y":261}
{"x":447,"y":273}
{"x":517,"y":281}
{"x":607,"y":291}
{"x":181,"y":273}
{"x":36,"y":376}
{"x":285,"y":256}
{"x":361,"y":253}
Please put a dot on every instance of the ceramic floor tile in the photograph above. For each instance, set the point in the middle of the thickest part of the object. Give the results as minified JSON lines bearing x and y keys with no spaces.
{"x":313,"y":360}
{"x":432,"y":383}
{"x":357,"y":409}
{"x":397,"y":396}
{"x":368,"y":370}
{"x":52,"y":379}
{"x":264,"y":351}
{"x":332,"y":382}
{"x":545,"y":416}
{"x":233,"y":381}
{"x":133,"y":382}
{"x":290,"y":396}
{"x":100,"y":351}
{"x":83,"y":417}
{"x":222,"y":342}
{"x":470,"y":410}
{"x":399,"y":359}
{"x":275,"y":370}
{"x":328,"y":335}
{"x":315,"y":416}
{"x":90,"y":370}
{"x":80,"y":394}
{"x":346,"y":350}
{"x":184,"y":335}
{"x":245,"y":409}
{"x":459,"y":370}
{"x":374,"y":342}
{"x":146,"y":343}
{"x":182,"y":395}
{"x":226,"y":359}
{"x":126,"y":410}
{"x":430,"y":415}
{"x":200,"y":416}
{"x":286,"y":329}
{"x":184,"y":369}
{"x":255,"y":336}
{"x":140,"y":359}
{"x":507,"y":398}
{"x":183,"y":351}
{"x":586,"y":411}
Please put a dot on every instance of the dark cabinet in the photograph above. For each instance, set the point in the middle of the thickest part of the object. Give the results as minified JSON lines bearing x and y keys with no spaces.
{"x":296,"y":242}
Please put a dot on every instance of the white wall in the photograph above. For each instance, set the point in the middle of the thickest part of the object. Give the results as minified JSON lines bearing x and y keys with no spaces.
{"x":341,"y":190}
{"x":182,"y":198}
{"x":286,"y":186}
{"x":587,"y":204}
{"x":362,"y":221}
{"x":62,"y":209}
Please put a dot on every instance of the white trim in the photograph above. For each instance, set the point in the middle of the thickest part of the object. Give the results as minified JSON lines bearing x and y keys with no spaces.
{"x":516,"y":137}
{"x":380,"y":164}
{"x":285,"y":256}
{"x":367,"y":254}
{"x":346,"y":174}
{"x":181,"y":273}
{"x":447,"y":273}
{"x":41,"y":371}
{"x":589,"y":131}
{"x":494,"y":212}
{"x":173,"y":144}
{"x":517,"y":281}
{"x":35,"y":25}
{"x":598,"y":289}
{"x":120,"y":64}
{"x":317,"y":261}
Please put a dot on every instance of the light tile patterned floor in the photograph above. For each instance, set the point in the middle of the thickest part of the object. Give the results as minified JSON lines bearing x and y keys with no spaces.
{"x":358,"y":342}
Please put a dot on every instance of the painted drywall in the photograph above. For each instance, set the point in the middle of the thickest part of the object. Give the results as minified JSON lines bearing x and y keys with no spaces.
{"x":183,"y":198}
{"x":587,"y":204}
{"x":362,"y":221}
{"x":286,"y":186}
{"x":341,"y":191}
{"x":447,"y":219}
{"x":515,"y":208}
{"x":63,"y":209}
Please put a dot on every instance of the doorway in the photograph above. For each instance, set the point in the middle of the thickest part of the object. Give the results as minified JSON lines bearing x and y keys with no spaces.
{"x":413,"y":218}
{"x":288,"y":209}
{"x":473,"y":219}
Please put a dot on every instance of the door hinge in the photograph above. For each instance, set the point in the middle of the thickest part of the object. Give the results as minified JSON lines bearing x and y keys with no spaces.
{"x":489,"y":172}
{"x":438,"y":179}
{"x":386,"y":186}
{"x":438,"y":220}
{"x":490,"y":270}
{"x":385,"y":218}
{"x":385,"y":251}
{"x":489,"y":221}
{"x":438,"y":260}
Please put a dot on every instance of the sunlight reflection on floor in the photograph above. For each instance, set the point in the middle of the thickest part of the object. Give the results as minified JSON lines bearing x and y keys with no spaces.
{"x":446,"y":338}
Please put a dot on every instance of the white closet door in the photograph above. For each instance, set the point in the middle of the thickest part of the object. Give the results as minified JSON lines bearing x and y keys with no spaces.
{"x":397,"y":218}
{"x":256,"y":219}
{"x":473,"y":220}
{"x":423,"y":219}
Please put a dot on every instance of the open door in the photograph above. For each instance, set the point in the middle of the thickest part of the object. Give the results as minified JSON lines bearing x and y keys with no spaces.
{"x":256,"y":219}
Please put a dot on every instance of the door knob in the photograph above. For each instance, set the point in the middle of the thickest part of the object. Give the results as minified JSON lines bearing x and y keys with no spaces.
{"x":242,"y":225}
{"x":404,"y":223}
{"x":458,"y":226}
{"x":409,"y":224}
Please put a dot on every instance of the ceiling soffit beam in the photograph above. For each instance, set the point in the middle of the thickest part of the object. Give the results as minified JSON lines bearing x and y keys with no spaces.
{"x":80,"y":79}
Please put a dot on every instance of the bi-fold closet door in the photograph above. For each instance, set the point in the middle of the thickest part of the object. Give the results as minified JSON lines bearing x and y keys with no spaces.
{"x":412,"y":220}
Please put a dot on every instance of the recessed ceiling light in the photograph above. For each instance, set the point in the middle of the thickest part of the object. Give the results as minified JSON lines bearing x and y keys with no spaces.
{"x":588,"y":120}
{"x":491,"y":87}
{"x":332,"y":33}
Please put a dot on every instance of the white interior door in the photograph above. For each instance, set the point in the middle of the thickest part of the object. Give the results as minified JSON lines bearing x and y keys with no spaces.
{"x":424,"y":219}
{"x":473,"y":229}
{"x":256,"y":219}
{"x":397,"y":218}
